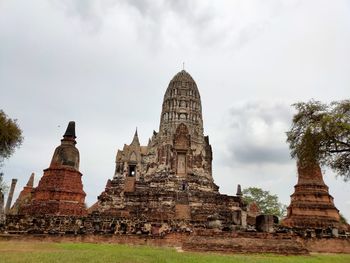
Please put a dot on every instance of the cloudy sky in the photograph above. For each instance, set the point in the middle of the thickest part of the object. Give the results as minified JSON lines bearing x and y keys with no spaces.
{"x":106,"y":65}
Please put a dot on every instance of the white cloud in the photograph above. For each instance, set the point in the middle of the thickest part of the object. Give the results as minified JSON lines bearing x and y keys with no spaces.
{"x":256,"y":133}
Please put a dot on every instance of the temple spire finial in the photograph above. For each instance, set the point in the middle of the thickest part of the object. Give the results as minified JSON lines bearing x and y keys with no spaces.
{"x":135,"y":140}
{"x":70,"y":131}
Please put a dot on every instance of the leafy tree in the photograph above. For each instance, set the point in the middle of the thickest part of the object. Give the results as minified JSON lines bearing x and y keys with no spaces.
{"x":343,"y":219}
{"x":3,"y":186}
{"x":10,"y":136}
{"x":320,"y":133}
{"x":267,"y":202}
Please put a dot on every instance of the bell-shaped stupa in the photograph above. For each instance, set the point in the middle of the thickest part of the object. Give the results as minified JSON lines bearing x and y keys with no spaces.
{"x":60,"y":189}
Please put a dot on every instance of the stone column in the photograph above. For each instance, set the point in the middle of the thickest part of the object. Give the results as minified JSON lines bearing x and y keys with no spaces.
{"x":2,"y":213}
{"x":9,"y":198}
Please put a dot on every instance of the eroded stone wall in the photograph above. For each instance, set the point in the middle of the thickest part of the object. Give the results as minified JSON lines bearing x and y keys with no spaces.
{"x":190,"y":236}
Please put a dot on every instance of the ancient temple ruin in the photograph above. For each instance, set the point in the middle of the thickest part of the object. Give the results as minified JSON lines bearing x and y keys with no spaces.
{"x":60,"y":189}
{"x":171,"y":177}
{"x":164,"y":193}
{"x":311,"y":204}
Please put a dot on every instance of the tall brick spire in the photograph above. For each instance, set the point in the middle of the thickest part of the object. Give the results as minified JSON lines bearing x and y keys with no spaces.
{"x":311,"y":204}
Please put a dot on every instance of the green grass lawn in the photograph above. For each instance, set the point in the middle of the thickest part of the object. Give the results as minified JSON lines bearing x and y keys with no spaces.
{"x":12,"y":251}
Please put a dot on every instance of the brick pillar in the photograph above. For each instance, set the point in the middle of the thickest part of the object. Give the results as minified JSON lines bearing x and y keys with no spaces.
{"x":9,"y":198}
{"x":2,"y":212}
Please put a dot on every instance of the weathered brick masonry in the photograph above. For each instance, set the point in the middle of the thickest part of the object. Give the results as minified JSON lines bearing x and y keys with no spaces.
{"x":311,"y":205}
{"x":60,"y":190}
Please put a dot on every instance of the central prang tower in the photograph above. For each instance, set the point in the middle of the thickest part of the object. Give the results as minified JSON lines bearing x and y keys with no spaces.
{"x":179,"y":151}
{"x":182,"y":105}
{"x":183,"y":148}
{"x":171,"y":177}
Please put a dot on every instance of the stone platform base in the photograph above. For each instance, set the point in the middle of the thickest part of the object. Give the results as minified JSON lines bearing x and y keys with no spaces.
{"x":245,"y":245}
{"x":222,"y":243}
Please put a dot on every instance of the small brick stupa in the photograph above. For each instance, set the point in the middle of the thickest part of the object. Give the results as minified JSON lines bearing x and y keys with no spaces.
{"x":25,"y":197}
{"x":311,"y":204}
{"x":60,"y":190}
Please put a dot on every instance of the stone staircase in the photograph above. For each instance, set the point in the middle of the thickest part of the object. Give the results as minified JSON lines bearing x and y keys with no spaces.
{"x":182,"y":208}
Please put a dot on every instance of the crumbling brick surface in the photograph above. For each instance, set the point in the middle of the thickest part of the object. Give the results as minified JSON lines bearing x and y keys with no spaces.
{"x":311,"y":204}
{"x":182,"y":212}
{"x":24,"y":198}
{"x":60,"y":189}
{"x":60,"y":192}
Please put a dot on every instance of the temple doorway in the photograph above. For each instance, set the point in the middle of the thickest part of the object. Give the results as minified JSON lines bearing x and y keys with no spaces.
{"x":132,"y":170}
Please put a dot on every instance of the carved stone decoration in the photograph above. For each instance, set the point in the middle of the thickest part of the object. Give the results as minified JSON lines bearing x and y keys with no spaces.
{"x":171,"y":177}
{"x":182,"y":139}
